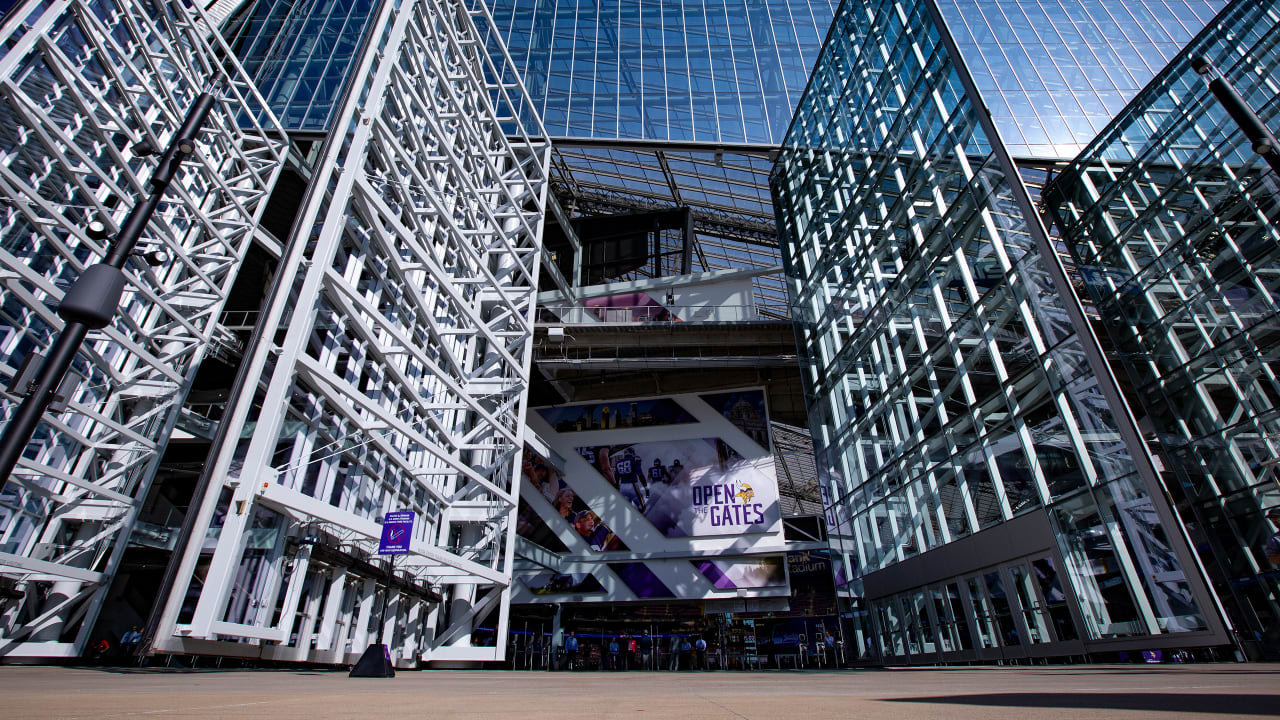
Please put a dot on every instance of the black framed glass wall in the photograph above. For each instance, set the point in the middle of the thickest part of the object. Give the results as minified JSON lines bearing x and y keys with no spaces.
{"x":949,"y":390}
{"x":1172,"y":219}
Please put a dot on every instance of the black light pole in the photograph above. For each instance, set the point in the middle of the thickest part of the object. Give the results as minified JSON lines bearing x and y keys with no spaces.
{"x":92,"y":300}
{"x":1260,"y":137}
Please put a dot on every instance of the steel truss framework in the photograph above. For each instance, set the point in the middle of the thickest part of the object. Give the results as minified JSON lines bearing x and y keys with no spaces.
{"x":390,"y":373}
{"x":798,"y":488}
{"x":81,"y":83}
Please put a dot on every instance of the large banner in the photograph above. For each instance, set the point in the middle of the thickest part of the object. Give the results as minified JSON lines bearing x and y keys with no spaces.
{"x":680,"y":461}
{"x":693,"y":487}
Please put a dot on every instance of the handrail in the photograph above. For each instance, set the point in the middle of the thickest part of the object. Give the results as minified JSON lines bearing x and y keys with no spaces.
{"x":648,"y":314}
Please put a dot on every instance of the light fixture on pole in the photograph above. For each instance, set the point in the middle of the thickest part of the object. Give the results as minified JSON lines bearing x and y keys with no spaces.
{"x":93,"y":299}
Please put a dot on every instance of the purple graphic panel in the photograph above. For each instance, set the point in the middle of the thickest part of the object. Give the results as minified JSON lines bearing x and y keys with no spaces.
{"x":641,"y":580}
{"x":631,"y":307}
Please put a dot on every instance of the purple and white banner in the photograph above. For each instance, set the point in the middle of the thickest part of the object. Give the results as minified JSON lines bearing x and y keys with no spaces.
{"x":691,"y":488}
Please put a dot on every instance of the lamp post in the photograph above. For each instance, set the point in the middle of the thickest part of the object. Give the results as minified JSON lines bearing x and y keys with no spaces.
{"x":1260,"y":137}
{"x":92,"y":300}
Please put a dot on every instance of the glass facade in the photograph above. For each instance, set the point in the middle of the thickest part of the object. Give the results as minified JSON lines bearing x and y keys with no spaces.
{"x":1173,"y":220}
{"x":670,"y":103}
{"x":680,"y":70}
{"x":953,"y":383}
{"x":1054,"y":72}
{"x":300,"y":55}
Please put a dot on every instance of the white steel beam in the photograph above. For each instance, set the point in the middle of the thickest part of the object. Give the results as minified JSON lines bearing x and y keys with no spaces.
{"x":393,"y":365}
{"x":82,"y":82}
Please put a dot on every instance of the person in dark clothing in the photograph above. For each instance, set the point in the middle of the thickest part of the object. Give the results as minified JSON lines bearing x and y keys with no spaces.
{"x":571,"y":651}
{"x":646,"y":650}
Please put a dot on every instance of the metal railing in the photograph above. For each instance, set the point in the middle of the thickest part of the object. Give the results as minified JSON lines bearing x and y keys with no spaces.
{"x":646,"y":314}
{"x":239,"y":319}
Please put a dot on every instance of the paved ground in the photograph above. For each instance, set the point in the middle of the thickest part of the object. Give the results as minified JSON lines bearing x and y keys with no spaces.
{"x":905,"y":694}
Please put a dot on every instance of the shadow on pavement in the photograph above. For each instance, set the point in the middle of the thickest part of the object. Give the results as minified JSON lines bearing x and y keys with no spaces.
{"x":1219,"y":703}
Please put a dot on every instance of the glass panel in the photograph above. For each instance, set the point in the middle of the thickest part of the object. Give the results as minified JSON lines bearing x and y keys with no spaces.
{"x":1172,"y":600}
{"x":1002,"y":609}
{"x":1034,"y":613}
{"x":988,"y":635}
{"x":1055,"y":598}
{"x":947,"y":640}
{"x":921,"y":613}
{"x":891,"y":628}
{"x":1101,"y":584}
{"x":963,"y":634}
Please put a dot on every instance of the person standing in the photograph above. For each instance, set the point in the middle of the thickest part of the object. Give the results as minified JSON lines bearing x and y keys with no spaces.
{"x":829,"y":646}
{"x":686,"y":653}
{"x":613,"y":654}
{"x":571,"y":651}
{"x":627,"y":469}
{"x":674,"y":660}
{"x":646,"y":649}
{"x":701,"y":647}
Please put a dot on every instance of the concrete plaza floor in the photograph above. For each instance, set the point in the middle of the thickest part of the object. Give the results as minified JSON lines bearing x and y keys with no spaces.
{"x":898,"y":694}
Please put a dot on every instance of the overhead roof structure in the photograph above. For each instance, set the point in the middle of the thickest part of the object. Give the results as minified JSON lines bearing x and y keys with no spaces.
{"x":725,"y":185}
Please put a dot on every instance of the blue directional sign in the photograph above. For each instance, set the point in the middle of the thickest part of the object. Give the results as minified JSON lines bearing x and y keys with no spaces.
{"x":397,"y":529}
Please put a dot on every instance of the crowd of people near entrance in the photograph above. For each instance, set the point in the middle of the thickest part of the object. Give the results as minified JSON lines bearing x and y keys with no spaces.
{"x":671,"y":650}
{"x":633,"y":652}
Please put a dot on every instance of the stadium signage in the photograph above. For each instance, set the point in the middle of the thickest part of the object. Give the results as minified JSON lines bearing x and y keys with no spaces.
{"x":728,"y":504}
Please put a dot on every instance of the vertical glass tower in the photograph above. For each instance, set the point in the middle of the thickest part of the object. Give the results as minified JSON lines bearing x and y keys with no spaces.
{"x":1173,"y":217}
{"x":989,"y":493}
